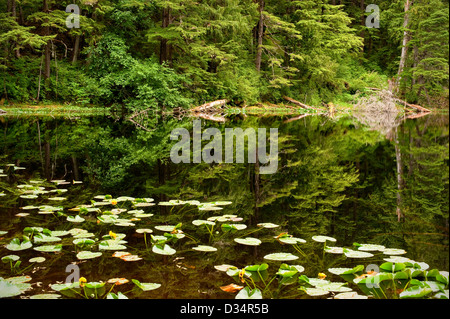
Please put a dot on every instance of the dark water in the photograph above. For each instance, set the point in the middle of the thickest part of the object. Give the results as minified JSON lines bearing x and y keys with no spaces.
{"x":335,"y":177}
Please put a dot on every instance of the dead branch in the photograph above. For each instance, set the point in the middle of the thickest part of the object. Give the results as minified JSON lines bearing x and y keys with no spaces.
{"x":209,"y":106}
{"x":300,"y":103}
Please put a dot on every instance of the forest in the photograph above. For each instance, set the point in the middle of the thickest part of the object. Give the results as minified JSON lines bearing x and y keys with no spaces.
{"x":158,"y":54}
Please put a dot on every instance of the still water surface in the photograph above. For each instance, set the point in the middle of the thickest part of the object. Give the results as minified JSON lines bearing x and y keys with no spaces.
{"x":336,"y":177}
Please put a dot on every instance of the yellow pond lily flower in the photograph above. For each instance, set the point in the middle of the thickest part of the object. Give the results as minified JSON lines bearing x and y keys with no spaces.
{"x":82,"y":281}
{"x":112,"y":235}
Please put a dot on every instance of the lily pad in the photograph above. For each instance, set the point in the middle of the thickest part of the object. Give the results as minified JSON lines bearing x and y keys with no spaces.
{"x":334,"y":250}
{"x":249,"y":241}
{"x":146,"y":286}
{"x":357,"y":254}
{"x":205,"y":248}
{"x":322,"y":239}
{"x":163,"y":250}
{"x":393,"y":251}
{"x":291,"y":240}
{"x":315,"y":292}
{"x":200,"y":222}
{"x":165,"y":228}
{"x":17,"y":245}
{"x":37,"y":260}
{"x":82,"y":255}
{"x":49,"y":248}
{"x":45,"y":296}
{"x":75,"y":219}
{"x":370,"y":247}
{"x":8,"y":289}
{"x":249,"y":294}
{"x":10,"y":258}
{"x":350,"y":295}
{"x":281,"y":257}
{"x":268,"y":225}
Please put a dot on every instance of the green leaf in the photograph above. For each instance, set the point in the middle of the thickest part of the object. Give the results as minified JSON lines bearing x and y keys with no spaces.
{"x":392,"y":267}
{"x":49,"y":248}
{"x":250,"y":294}
{"x":17,"y":245}
{"x":281,"y":257}
{"x":82,"y":255}
{"x":163,"y":250}
{"x":249,"y":241}
{"x":415,"y":292}
{"x":146,"y":286}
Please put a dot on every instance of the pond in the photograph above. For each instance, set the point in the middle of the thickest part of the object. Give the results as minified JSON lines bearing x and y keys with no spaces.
{"x":354,"y":209}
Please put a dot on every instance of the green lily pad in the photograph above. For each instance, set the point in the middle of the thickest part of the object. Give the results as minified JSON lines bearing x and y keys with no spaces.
{"x":165,"y":228}
{"x":350,"y":295}
{"x":291,"y":240}
{"x":281,"y":257}
{"x":415,"y":292}
{"x":370,"y":247}
{"x":268,"y":225}
{"x":163,"y":250}
{"x":10,"y":258}
{"x":315,"y":292}
{"x":60,"y":233}
{"x":357,"y":254}
{"x":111,"y":245}
{"x":249,"y":241}
{"x":88,"y":255}
{"x":334,"y":250}
{"x":17,"y":245}
{"x":205,"y":248}
{"x":119,"y":295}
{"x":393,"y":251}
{"x":45,"y":296}
{"x":75,"y":219}
{"x":49,"y":248}
{"x":29,"y":196}
{"x":8,"y":289}
{"x":37,"y":260}
{"x":322,"y":239}
{"x":146,"y":286}
{"x":249,"y":294}
{"x":346,"y":271}
{"x":200,"y":222}
{"x":41,"y":238}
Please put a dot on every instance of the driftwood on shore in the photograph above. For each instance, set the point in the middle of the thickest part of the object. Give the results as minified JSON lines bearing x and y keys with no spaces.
{"x":209,"y":106}
{"x":302,"y":105}
{"x":404,"y":103}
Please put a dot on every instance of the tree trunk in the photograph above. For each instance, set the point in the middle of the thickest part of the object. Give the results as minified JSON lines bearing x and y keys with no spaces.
{"x":47,"y":167}
{"x":165,"y":47}
{"x":260,"y":35}
{"x":47,"y":47}
{"x":406,"y":38}
{"x":76,"y":174}
{"x":398,"y":156}
{"x":76,"y":49}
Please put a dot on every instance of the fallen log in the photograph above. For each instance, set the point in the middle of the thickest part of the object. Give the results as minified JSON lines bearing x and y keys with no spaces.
{"x":211,"y":117}
{"x":300,"y":104}
{"x":210,"y":105}
{"x":416,"y":115}
{"x":2,"y":112}
{"x":414,"y":106}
